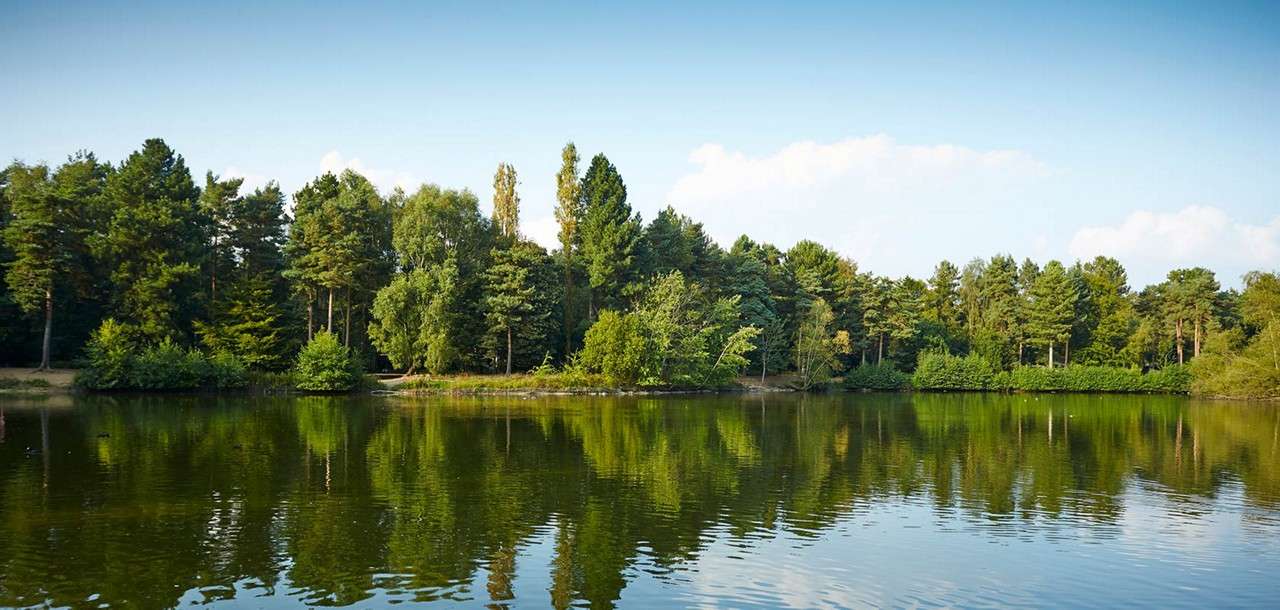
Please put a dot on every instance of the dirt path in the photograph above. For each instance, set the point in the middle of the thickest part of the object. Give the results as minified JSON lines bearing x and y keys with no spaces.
{"x":29,"y":380}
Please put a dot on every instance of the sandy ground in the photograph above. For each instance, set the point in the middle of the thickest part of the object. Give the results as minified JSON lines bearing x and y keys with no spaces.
{"x":59,"y":379}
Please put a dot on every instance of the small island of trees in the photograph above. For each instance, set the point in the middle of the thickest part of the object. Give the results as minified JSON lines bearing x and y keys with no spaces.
{"x":149,"y":280}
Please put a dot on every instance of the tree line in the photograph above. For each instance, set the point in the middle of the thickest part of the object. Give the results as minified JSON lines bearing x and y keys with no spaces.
{"x":423,"y":281}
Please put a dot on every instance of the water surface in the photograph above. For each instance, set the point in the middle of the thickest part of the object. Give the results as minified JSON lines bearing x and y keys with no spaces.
{"x":776,"y":500}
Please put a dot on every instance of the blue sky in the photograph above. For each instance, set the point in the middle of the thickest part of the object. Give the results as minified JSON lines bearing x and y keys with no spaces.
{"x":898,"y":135}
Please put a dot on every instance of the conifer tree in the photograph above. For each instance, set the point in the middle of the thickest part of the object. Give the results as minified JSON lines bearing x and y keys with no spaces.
{"x":49,"y":220}
{"x":610,"y":234}
{"x":153,"y":241}
{"x":1052,"y":305}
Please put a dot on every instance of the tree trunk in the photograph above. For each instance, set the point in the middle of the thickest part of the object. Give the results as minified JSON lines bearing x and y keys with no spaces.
{"x":328,"y":325}
{"x":1178,"y":334}
{"x":1051,"y":354}
{"x":1196,"y":350}
{"x":213,"y":275}
{"x":508,"y":350}
{"x":1020,"y":346}
{"x":880,"y":349}
{"x":346,"y":313}
{"x":568,"y":307}
{"x":1066,"y":353}
{"x":48,"y":329}
{"x":311,"y":305}
{"x":764,"y":358}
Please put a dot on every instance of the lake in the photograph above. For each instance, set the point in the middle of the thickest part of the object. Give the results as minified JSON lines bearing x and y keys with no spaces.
{"x":731,"y":501}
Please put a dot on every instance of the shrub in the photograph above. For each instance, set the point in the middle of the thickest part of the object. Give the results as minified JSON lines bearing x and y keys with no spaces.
{"x":939,"y":371}
{"x":324,"y":365}
{"x":1172,"y":379}
{"x":114,"y":362}
{"x":615,"y":347}
{"x":876,"y":377}
{"x":108,"y":357}
{"x":165,"y":366}
{"x":225,"y":370}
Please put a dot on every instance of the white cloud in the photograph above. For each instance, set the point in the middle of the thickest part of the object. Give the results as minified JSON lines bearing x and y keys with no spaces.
{"x":544,"y":230}
{"x":384,"y":179}
{"x":251,"y":180}
{"x":875,"y":163}
{"x":891,"y":206}
{"x":1202,"y":235}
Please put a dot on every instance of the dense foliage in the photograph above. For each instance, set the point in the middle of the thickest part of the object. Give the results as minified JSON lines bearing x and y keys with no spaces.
{"x":116,"y":360}
{"x":943,"y":372}
{"x":325,"y":365}
{"x":424,"y":281}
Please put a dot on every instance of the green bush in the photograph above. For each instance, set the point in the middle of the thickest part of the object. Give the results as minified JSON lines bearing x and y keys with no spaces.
{"x":876,"y":377}
{"x":108,"y":358}
{"x":936,"y":371}
{"x":115,"y":362}
{"x":225,"y":370}
{"x":939,"y":371}
{"x":615,"y":347}
{"x":1172,"y":379}
{"x":165,"y":366}
{"x":324,"y":365}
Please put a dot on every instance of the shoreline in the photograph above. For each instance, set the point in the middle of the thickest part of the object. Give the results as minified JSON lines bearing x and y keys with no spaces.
{"x":29,"y":382}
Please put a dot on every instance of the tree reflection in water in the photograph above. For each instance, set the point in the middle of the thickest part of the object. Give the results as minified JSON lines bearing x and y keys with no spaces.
{"x":331,"y":501}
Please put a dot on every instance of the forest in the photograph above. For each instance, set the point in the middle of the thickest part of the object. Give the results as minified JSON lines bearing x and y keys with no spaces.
{"x":123,"y":268}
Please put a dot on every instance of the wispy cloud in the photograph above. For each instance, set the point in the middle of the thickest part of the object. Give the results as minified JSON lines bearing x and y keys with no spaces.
{"x":1201,"y":235}
{"x":875,"y":199}
{"x":384,"y":179}
{"x":251,"y":180}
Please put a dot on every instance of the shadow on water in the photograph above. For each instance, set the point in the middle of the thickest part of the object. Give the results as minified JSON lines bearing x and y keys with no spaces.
{"x":160,"y":501}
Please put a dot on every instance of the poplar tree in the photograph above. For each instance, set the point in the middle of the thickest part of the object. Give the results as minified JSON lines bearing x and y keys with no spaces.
{"x":506,"y":203}
{"x":568,"y":214}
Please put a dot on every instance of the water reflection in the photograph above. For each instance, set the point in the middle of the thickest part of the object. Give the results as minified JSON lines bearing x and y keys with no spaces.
{"x":740,"y":500}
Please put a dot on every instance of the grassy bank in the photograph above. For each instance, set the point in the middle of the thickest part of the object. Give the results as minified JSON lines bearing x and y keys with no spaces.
{"x":943,"y":373}
{"x":555,"y":382}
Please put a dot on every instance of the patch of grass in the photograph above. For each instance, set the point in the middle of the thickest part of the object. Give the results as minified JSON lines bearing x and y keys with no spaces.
{"x":9,"y":383}
{"x":541,"y":380}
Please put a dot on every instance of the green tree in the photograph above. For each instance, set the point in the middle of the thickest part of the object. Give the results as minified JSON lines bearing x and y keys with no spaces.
{"x":1116,"y":320}
{"x":877,"y":308}
{"x":1189,"y":296}
{"x":569,"y":216}
{"x":249,"y":320}
{"x":1052,"y":305}
{"x":217,"y":201}
{"x":153,"y":241}
{"x":506,"y":202}
{"x":439,"y":226}
{"x":415,"y":319}
{"x":942,"y":300}
{"x":36,"y":235}
{"x":307,"y":234}
{"x":609,"y":234}
{"x":512,"y":302}
{"x":903,"y":319}
{"x":818,"y":347}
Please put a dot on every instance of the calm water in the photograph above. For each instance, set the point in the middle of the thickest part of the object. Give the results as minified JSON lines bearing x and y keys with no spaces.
{"x":962,"y":500}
